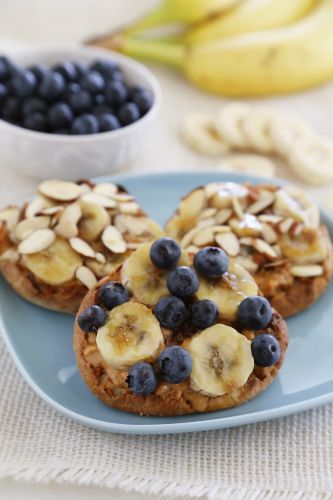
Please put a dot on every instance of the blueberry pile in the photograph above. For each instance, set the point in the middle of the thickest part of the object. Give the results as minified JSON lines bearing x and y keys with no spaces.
{"x":70,"y":98}
{"x":174,"y":364}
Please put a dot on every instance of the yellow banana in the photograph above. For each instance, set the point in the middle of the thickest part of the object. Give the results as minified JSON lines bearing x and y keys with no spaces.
{"x":262,"y":63}
{"x":252,"y":15}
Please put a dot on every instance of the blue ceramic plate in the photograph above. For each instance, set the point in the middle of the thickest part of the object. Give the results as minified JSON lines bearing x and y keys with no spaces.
{"x":40,"y":343}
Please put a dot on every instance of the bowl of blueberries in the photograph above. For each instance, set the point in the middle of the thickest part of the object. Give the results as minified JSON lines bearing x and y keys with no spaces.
{"x":74,"y":112}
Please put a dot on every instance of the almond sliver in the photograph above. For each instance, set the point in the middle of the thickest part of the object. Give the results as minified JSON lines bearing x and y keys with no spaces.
{"x":113,"y":240}
{"x":60,"y":190}
{"x":263,"y":247}
{"x":28,"y":226}
{"x":99,"y":199}
{"x":10,"y":215}
{"x":261,"y":204}
{"x":106,"y":189}
{"x":82,"y":247}
{"x":129,"y":208}
{"x":37,"y":241}
{"x":10,"y":255}
{"x":307,"y":271}
{"x":122,"y":197}
{"x":229,"y":243}
{"x":34,"y":207}
{"x":86,"y":276}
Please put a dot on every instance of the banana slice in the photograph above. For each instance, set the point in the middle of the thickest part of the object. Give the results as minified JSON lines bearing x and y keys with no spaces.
{"x":293,"y":202}
{"x":146,"y":281}
{"x":198,"y":131}
{"x":228,"y":292}
{"x":250,"y":164}
{"x":226,"y":192}
{"x":256,"y":128}
{"x":285,"y":131}
{"x":55,"y":265}
{"x":221,"y":360}
{"x":229,"y":125}
{"x":307,"y":248}
{"x":131,"y":334}
{"x":94,"y":220}
{"x":312,"y":160}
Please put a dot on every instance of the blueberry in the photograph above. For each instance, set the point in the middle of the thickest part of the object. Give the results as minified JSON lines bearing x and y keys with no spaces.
{"x":3,"y":91}
{"x":100,"y":109}
{"x":92,"y":318}
{"x":93,"y":82}
{"x":35,"y":121}
{"x":39,"y":70}
{"x":12,"y":109}
{"x":60,"y":115}
{"x":85,"y":124}
{"x":142,"y":379}
{"x":183,"y":282}
{"x":67,"y":70}
{"x":170,"y":312}
{"x":99,"y":99}
{"x":174,"y":364}
{"x":80,"y":102}
{"x":118,"y":76}
{"x":105,"y":67}
{"x":265,"y":349}
{"x":165,"y":253}
{"x":107,"y":122}
{"x":254,"y":313}
{"x":73,"y":88}
{"x":82,"y":69}
{"x":211,"y":262}
{"x":144,"y":101}
{"x":4,"y":68}
{"x":203,"y":314}
{"x":112,"y":294}
{"x":135,"y":89}
{"x":51,"y":86}
{"x":115,"y":93}
{"x":128,"y":113}
{"x":24,"y":83}
{"x":33,"y":104}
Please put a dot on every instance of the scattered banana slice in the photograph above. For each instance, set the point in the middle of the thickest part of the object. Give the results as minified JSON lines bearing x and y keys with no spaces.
{"x":229,"y":291}
{"x":146,"y":281}
{"x":55,"y":265}
{"x":285,"y":130}
{"x":221,"y":360}
{"x":131,"y":334}
{"x":312,"y":160}
{"x":94,"y":220}
{"x":249,"y":164}
{"x":228,"y":124}
{"x":256,"y":128}
{"x":199,"y":132}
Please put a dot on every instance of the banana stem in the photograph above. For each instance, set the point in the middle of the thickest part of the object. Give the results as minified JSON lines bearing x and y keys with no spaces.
{"x":157,"y":17}
{"x":171,"y":54}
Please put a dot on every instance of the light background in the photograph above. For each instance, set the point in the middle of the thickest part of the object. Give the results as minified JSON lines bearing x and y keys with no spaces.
{"x":66,"y":21}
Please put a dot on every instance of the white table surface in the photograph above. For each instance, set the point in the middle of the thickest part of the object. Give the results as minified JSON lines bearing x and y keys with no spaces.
{"x":61,"y":21}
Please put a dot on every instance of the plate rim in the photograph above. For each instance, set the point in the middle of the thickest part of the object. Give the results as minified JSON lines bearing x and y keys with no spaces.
{"x":175,"y":427}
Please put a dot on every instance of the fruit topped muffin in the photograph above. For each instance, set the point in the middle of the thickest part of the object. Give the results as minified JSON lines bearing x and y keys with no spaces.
{"x":56,"y":247}
{"x":274,"y":232}
{"x":166,"y":334}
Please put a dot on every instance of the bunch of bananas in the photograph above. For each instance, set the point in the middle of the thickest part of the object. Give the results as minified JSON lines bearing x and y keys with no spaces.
{"x":239,"y":47}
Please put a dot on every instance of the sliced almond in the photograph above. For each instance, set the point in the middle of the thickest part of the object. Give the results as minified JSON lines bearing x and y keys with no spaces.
{"x":285,"y":225}
{"x":68,"y":221}
{"x":82,"y":247}
{"x":34,"y":207}
{"x":188,"y":237}
{"x":247,"y":241}
{"x":206,"y":222}
{"x":52,"y":210}
{"x":10,"y":215}
{"x":129,"y":224}
{"x":237,"y":208}
{"x":268,"y":233}
{"x":85,"y":188}
{"x":276,"y":263}
{"x":192,"y":249}
{"x":86,"y":276}
{"x":129,"y":208}
{"x":106,"y":189}
{"x":277,"y":250}
{"x":207,"y":235}
{"x":307,"y":271}
{"x":60,"y":190}
{"x":113,"y":240}
{"x":122,"y":197}
{"x":28,"y":226}
{"x":37,"y":241}
{"x":261,"y":204}
{"x":100,"y":257}
{"x":270,"y":218}
{"x":229,"y":243}
{"x":248,"y":263}
{"x":191,"y":206}
{"x":207,"y":213}
{"x":99,"y":199}
{"x":297,"y":229}
{"x":264,"y":248}
{"x":223,"y":215}
{"x":10,"y":254}
{"x":211,"y":189}
{"x":248,"y":226}
{"x":133,"y":245}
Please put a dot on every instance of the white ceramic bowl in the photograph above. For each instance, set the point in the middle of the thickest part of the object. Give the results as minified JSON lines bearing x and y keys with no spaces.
{"x":44,"y":155}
